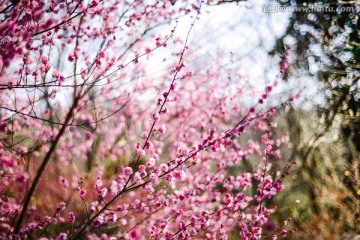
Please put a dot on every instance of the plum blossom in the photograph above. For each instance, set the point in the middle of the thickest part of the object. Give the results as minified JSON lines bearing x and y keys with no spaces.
{"x":71,"y":217}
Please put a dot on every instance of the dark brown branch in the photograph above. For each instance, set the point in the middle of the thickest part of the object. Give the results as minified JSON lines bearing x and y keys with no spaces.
{"x":43,"y":166}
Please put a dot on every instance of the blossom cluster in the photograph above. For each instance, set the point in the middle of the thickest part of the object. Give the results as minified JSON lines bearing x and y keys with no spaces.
{"x":93,"y":144}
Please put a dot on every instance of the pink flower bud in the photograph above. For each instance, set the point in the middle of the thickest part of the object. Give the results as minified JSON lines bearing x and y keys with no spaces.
{"x":71,"y":217}
{"x":283,"y":66}
{"x":101,"y":54}
{"x":82,"y":192}
{"x":156,"y":117}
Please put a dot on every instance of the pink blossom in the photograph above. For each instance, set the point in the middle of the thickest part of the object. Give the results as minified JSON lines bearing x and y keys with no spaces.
{"x":134,"y":234}
{"x":137,"y":177}
{"x":158,"y":43}
{"x":283,"y":66}
{"x":61,"y":207}
{"x":82,"y":192}
{"x":156,"y":117}
{"x":160,"y":130}
{"x":268,"y":89}
{"x":149,"y":145}
{"x":101,"y":54}
{"x":153,"y":178}
{"x":98,"y":221}
{"x":149,"y":188}
{"x":62,"y":236}
{"x":163,"y":167}
{"x":50,"y":220}
{"x":142,"y":168}
{"x":86,"y":116}
{"x":98,"y":183}
{"x":113,"y":217}
{"x":71,"y":217}
{"x":182,"y":225}
{"x":151,"y":162}
{"x":144,"y":134}
{"x":103,"y":193}
{"x":128,"y":171}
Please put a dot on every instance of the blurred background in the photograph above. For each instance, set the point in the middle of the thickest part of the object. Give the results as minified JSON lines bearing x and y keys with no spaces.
{"x":322,"y":195}
{"x":324,"y":124}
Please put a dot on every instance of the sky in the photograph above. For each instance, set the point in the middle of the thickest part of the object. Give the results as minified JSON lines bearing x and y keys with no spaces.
{"x":245,"y":30}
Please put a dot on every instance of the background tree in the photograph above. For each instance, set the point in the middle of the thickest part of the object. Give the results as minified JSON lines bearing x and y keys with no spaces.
{"x":326,"y":40}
